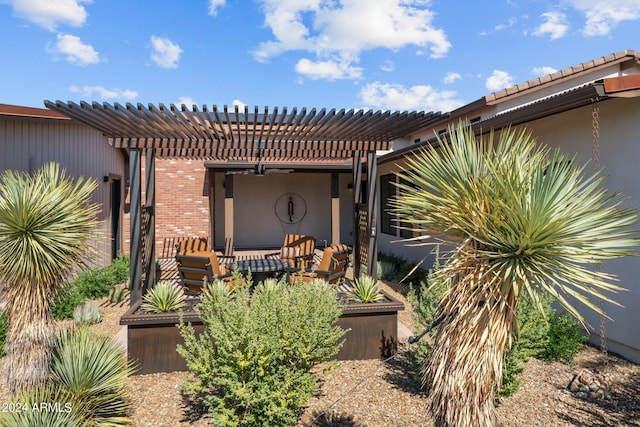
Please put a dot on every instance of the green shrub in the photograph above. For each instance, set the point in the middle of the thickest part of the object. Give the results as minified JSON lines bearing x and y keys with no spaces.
{"x":531,"y":341}
{"x":424,"y":299}
{"x":565,"y":339}
{"x":4,"y":325}
{"x":65,"y":302}
{"x":93,"y":370}
{"x":87,"y":313}
{"x":252,"y":362}
{"x":120,"y":269}
{"x":386,"y":269}
{"x":164,"y":297}
{"x":365,"y":289}
{"x":98,"y":282}
{"x":556,"y":337}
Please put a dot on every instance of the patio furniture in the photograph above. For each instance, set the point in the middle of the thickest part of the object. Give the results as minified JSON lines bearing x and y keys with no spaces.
{"x":192,"y":244}
{"x":195,"y":268}
{"x":298,"y":249}
{"x":261,"y":268}
{"x":332,"y":267}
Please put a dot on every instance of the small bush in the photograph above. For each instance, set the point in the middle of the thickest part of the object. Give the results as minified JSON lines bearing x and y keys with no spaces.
{"x":65,"y":302}
{"x":252,"y":363}
{"x":386,"y":269}
{"x":365,"y":289}
{"x":565,"y":339}
{"x":549,"y":337}
{"x":97,"y":283}
{"x":87,"y":313}
{"x":164,"y":297}
{"x":4,"y":325}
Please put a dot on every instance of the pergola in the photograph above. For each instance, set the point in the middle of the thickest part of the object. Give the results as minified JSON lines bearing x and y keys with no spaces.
{"x":243,"y":135}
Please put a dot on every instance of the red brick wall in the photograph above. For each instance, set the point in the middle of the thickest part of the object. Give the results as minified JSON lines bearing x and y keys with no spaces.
{"x":182,"y":203}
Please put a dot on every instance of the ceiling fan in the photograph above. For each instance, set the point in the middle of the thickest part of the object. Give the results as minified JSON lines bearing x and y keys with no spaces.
{"x":258,"y":170}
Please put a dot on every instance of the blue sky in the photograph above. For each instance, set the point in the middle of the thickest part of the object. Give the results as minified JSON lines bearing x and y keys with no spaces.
{"x":381,"y":54}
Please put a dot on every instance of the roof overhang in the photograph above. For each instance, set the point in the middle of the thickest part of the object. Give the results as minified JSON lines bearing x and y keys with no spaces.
{"x":246,"y":135}
{"x":565,"y":101}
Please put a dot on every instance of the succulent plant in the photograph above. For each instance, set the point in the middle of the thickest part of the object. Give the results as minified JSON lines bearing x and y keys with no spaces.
{"x":164,"y":297}
{"x":365,"y":289}
{"x":87,"y":313}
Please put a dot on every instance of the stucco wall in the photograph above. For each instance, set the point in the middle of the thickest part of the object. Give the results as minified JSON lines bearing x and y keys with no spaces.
{"x":26,"y":145}
{"x":619,"y":154}
{"x":255,"y":222}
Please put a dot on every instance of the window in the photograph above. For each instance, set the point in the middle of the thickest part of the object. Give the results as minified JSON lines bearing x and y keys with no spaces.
{"x":387,"y":192}
{"x":404,"y":233}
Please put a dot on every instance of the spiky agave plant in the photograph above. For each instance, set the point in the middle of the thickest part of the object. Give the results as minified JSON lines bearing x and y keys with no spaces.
{"x":46,"y":220}
{"x":525,"y":221}
{"x":165,"y":296}
{"x":365,"y":289}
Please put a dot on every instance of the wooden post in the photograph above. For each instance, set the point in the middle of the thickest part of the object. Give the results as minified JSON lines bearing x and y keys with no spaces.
{"x":357,"y":181}
{"x":134,"y":214}
{"x":335,"y":209}
{"x":228,"y":208}
{"x":150,"y":202}
{"x":372,"y":211}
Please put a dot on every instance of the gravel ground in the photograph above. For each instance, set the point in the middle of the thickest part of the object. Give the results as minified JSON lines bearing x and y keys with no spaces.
{"x":370,"y":393}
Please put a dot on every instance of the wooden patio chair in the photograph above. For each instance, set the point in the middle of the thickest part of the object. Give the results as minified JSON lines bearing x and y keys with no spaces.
{"x":192,"y":244}
{"x":332,"y":267}
{"x":298,"y":249}
{"x":194,"y":268}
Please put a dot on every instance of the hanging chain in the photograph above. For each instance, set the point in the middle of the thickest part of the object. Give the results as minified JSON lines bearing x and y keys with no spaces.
{"x":595,"y":119}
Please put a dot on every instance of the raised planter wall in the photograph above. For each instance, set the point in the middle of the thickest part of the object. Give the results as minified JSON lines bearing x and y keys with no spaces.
{"x":152,"y":338}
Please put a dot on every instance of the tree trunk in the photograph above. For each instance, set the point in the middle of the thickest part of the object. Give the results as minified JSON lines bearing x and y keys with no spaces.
{"x":30,"y":336}
{"x":464,"y":368}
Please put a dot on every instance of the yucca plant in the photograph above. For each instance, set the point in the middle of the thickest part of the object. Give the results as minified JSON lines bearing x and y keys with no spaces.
{"x":49,"y":405}
{"x":525,"y":221}
{"x":93,"y":370}
{"x":365,"y":289}
{"x":164,"y":297}
{"x":46,"y":220}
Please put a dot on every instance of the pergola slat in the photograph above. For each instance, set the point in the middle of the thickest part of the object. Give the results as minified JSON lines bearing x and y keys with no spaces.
{"x":248,"y":134}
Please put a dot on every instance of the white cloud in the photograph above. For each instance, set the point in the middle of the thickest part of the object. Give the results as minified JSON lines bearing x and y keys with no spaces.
{"x":51,"y":13}
{"x":603,"y":15}
{"x":89,"y":91}
{"x":214,"y":5}
{"x":187,"y":101}
{"x":398,"y":97}
{"x":543,"y":71}
{"x":499,"y":80}
{"x":555,"y":25}
{"x":387,"y":66}
{"x":451,"y":77}
{"x":329,"y":70}
{"x":239,"y":103}
{"x":343,"y":30}
{"x":166,"y":54}
{"x":74,"y":50}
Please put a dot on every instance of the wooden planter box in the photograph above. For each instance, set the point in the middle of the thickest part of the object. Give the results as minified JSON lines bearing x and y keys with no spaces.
{"x":152,"y":338}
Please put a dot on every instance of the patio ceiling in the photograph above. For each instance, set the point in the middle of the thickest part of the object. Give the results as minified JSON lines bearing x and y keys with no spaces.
{"x":240,"y":134}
